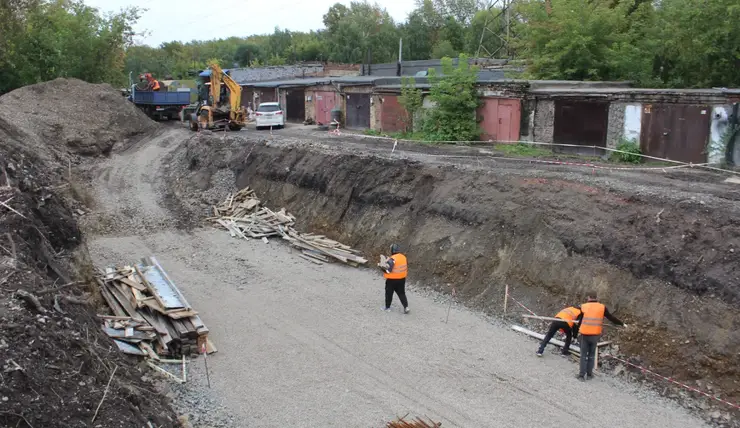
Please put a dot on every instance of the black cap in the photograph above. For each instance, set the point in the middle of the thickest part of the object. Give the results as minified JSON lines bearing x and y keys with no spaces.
{"x":395,"y":248}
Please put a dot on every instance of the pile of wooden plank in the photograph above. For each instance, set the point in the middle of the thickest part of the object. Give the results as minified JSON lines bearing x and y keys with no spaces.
{"x":150,"y":317}
{"x":243,"y":216}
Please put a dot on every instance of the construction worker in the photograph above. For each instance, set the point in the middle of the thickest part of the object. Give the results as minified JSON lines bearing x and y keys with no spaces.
{"x":395,"y":272}
{"x":591,"y":322}
{"x":568,"y":315}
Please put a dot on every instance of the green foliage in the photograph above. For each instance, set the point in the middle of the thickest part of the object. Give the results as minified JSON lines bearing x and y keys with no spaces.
{"x":42,"y":40}
{"x":456,"y":99}
{"x":629,"y":152}
{"x":411,"y":99}
{"x":524,"y":150}
{"x":444,"y":49}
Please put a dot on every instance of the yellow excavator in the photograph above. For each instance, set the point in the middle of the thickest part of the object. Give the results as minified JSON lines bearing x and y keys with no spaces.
{"x":223,"y":109}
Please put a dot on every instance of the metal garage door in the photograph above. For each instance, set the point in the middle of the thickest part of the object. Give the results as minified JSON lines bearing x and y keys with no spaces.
{"x":582,"y":123}
{"x":358,"y":111}
{"x":500,"y":119}
{"x":325,"y":101}
{"x":295,"y":105}
{"x":676,"y":132}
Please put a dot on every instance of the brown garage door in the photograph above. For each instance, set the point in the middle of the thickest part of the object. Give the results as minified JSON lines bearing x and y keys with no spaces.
{"x":675,"y":131}
{"x":295,"y":105}
{"x":582,"y":123}
{"x":358,"y":111}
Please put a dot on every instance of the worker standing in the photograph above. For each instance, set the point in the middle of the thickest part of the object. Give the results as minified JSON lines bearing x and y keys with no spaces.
{"x":395,"y":272}
{"x":568,"y":315}
{"x":591,"y":322}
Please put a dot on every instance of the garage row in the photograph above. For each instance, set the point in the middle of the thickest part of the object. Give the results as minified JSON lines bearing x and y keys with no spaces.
{"x":681,"y":125}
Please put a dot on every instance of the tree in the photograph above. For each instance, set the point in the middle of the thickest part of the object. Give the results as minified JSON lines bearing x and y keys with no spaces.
{"x":65,"y":38}
{"x":456,"y":100}
{"x":583,"y":40}
{"x":444,"y":49}
{"x":247,"y":53}
{"x":411,"y":99}
{"x":362,"y":27}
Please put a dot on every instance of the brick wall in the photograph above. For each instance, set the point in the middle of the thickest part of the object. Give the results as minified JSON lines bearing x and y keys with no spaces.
{"x":258,"y":74}
{"x":615,"y":128}
{"x":393,"y":117}
{"x":544,"y":121}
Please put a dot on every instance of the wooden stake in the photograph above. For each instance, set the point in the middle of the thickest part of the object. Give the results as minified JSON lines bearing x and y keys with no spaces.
{"x":104,"y":394}
{"x":506,"y":298}
{"x":184,"y":371}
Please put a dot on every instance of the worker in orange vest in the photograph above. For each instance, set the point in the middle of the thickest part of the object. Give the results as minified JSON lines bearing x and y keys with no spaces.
{"x":591,"y":321}
{"x":395,"y":272}
{"x":568,"y":315}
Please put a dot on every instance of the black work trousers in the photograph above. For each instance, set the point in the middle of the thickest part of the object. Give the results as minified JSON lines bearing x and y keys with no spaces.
{"x":588,"y":353}
{"x":397,"y":286}
{"x":554,"y":327}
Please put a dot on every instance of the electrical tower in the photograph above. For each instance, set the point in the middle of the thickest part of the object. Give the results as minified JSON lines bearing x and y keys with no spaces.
{"x":499,"y":24}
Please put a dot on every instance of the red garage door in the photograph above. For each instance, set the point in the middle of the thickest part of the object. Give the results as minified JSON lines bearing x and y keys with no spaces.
{"x":325,"y":102}
{"x":500,"y":119}
{"x":393,"y":117}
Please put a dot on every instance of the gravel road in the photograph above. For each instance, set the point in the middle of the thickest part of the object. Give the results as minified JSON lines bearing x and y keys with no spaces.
{"x":307,"y":345}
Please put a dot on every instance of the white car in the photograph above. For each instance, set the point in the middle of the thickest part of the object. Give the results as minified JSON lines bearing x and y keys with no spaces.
{"x":269,"y":115}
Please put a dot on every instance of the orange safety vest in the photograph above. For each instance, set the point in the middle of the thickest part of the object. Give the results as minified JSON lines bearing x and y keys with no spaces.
{"x":156,"y":85}
{"x":400,"y":267}
{"x":593,"y":318}
{"x":569,"y":314}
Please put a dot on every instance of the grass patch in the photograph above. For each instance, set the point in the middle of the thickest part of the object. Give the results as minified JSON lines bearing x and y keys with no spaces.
{"x":524,"y":150}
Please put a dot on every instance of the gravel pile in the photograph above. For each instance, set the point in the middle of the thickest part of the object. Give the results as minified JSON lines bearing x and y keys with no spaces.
{"x":69,"y":114}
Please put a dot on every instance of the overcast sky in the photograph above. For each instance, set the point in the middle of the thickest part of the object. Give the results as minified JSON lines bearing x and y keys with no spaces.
{"x":187,"y":20}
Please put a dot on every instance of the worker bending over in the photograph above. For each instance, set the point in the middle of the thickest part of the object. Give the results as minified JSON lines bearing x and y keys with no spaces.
{"x":568,"y":315}
{"x":395,"y":272}
{"x":591,"y":322}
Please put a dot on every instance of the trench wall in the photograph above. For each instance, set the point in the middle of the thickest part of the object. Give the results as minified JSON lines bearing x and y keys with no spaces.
{"x":551,"y":240}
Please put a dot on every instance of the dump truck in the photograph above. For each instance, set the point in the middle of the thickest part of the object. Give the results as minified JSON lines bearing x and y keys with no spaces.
{"x":161,"y":104}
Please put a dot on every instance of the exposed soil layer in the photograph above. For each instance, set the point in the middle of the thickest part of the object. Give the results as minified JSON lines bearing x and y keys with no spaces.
{"x":660,"y":249}
{"x":56,"y":361}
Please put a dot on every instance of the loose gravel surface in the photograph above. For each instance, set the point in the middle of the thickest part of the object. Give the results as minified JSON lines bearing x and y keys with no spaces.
{"x":307,"y":345}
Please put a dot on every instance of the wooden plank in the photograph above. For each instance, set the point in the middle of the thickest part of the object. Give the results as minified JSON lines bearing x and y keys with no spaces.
{"x":161,"y":329}
{"x":310,"y":259}
{"x":149,"y":351}
{"x":181,"y":314}
{"x":113,"y":303}
{"x":133,"y":284}
{"x":125,"y":302}
{"x":182,"y":331}
{"x":573,"y":348}
{"x":210,"y":347}
{"x":152,"y":304}
{"x":128,"y":348}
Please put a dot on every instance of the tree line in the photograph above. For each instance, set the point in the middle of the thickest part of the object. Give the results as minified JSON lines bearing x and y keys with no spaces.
{"x":666,"y":43}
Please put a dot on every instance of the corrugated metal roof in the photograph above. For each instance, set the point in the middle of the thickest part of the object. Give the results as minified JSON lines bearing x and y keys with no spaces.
{"x":290,"y":82}
{"x":207,"y":72}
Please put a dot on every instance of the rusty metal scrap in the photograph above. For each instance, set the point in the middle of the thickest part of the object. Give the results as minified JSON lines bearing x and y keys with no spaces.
{"x":417,"y":423}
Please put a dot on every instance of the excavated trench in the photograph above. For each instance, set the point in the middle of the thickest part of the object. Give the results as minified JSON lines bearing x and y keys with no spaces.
{"x":668,"y":266}
{"x":551,"y":242}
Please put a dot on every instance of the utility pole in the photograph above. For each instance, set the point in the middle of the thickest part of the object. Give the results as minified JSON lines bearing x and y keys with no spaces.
{"x":497,"y":23}
{"x":400,"y":55}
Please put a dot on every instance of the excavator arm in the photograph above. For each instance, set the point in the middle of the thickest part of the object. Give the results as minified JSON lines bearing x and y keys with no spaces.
{"x":235,"y":91}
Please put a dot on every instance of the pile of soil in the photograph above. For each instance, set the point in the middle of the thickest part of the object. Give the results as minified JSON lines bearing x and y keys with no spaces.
{"x":56,"y":362}
{"x":663,"y":252}
{"x":72,"y":115}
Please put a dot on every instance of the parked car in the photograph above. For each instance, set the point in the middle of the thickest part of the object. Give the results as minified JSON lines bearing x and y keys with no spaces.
{"x":269,"y":115}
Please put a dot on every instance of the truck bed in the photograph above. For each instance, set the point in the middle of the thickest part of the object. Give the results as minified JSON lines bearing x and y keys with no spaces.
{"x":161,"y":98}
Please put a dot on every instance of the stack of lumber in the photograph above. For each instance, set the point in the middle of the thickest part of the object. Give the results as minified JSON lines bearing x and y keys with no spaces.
{"x":243,"y":216}
{"x":150,"y":317}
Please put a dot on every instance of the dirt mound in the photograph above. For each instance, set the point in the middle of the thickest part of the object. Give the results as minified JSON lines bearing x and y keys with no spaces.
{"x":662,"y":253}
{"x":69,"y":114}
{"x":56,"y":362}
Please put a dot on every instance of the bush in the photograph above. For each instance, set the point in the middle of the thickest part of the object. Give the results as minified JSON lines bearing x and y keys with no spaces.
{"x":629,"y":152}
